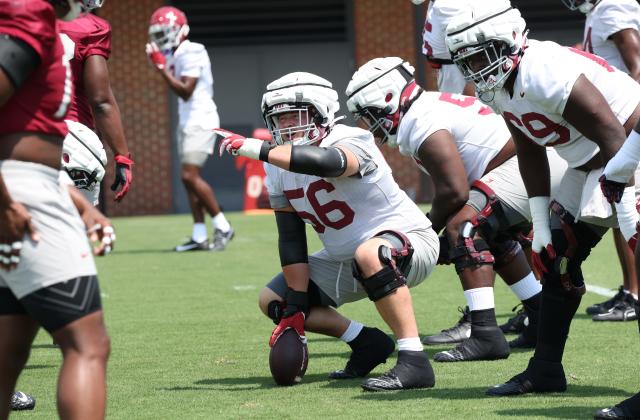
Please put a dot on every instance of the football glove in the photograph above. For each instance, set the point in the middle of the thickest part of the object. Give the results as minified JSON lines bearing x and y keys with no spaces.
{"x":235,"y":144}
{"x":155,"y":56}
{"x":295,"y":321}
{"x":124,"y":175}
{"x":612,"y":190}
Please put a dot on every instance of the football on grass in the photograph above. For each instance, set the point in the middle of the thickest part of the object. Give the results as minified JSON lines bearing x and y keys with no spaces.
{"x":288,"y":358}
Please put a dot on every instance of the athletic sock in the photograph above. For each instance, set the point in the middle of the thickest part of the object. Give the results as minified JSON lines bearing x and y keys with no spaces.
{"x":526,"y":287}
{"x":410,"y":344}
{"x":480,"y":298}
{"x":352,"y":332}
{"x":199,"y":232}
{"x":220,"y":222}
{"x":557,"y":309}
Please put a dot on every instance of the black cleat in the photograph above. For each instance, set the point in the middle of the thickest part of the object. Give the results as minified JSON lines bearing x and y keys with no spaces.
{"x":485,"y":343}
{"x":192,"y":245}
{"x":456,"y":334}
{"x":412,"y":371}
{"x":624,"y":310}
{"x":22,"y":401}
{"x":221,"y":239}
{"x":627,"y":409}
{"x":607,"y":305}
{"x":522,"y":342}
{"x":540,"y":376}
{"x":369,"y":349}
{"x":517,"y":323}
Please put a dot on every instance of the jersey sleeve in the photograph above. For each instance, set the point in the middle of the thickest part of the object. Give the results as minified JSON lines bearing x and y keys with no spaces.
{"x":417,"y":126}
{"x":33,"y":22}
{"x":273,"y":182}
{"x":193,"y":62}
{"x":366,"y":163}
{"x":614,"y":18}
{"x":99,"y":41}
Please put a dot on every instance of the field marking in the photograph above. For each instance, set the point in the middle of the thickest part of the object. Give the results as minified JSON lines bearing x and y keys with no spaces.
{"x":244,"y":287}
{"x":602,"y":291}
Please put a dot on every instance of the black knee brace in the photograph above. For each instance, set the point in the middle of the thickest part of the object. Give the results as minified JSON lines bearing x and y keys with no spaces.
{"x":573,"y":243}
{"x":469,"y":252}
{"x":504,"y":252}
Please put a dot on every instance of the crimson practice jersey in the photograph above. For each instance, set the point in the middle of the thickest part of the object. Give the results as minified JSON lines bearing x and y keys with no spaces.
{"x":347,"y":211}
{"x":546,"y":75}
{"x":41,"y":103}
{"x":478,"y":132}
{"x":83,"y":37}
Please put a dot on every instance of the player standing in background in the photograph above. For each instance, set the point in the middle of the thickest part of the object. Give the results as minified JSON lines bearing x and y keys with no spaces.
{"x":479,"y":194}
{"x":185,"y":66}
{"x":47,"y":274}
{"x":576,"y":102}
{"x":376,"y":240}
{"x":611,"y":31}
{"x":87,"y":43}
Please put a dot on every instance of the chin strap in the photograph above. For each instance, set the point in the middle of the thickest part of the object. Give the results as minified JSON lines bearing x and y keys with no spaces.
{"x":408,"y":96}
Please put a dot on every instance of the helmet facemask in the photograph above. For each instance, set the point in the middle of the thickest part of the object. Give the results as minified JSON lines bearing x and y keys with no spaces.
{"x":82,"y":179}
{"x":487,"y":65}
{"x":379,"y":123}
{"x":585,"y":6}
{"x":308,"y":121}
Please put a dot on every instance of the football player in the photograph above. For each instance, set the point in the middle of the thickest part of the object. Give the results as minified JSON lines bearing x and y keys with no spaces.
{"x":611,"y":31}
{"x":552,"y":96}
{"x":87,"y":42}
{"x":377,"y":243}
{"x":186,"y":68}
{"x":47,"y":274}
{"x":479,"y":194}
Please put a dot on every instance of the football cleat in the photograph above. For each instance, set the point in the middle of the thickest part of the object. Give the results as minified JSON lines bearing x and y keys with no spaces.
{"x":540,"y":376}
{"x":607,"y":305}
{"x":192,"y":245}
{"x":485,"y":343}
{"x":624,"y":310}
{"x":369,"y":349}
{"x":627,"y":409}
{"x":412,"y":371}
{"x":522,"y":341}
{"x":22,"y":401}
{"x":221,"y":239}
{"x":456,"y":334}
{"x":517,"y":323}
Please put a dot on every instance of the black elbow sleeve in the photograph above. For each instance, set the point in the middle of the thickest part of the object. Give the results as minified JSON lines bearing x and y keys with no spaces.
{"x":292,"y":238}
{"x":18,"y":59}
{"x":326,"y":162}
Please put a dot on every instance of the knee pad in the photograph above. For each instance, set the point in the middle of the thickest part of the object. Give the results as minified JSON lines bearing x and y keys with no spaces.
{"x":504,"y":252}
{"x":489,"y":221}
{"x":468,"y":252}
{"x":380,"y":284}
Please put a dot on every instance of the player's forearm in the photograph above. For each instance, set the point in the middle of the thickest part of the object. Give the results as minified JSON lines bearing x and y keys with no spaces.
{"x":297,"y":276}
{"x":445,"y":205}
{"x":109,"y":124}
{"x":79,"y":201}
{"x":178,"y":87}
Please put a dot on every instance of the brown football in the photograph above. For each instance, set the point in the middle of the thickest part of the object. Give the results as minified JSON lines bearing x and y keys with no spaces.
{"x":288,"y":358}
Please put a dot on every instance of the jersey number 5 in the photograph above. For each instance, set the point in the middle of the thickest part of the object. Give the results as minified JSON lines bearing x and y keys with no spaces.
{"x":322,"y":210}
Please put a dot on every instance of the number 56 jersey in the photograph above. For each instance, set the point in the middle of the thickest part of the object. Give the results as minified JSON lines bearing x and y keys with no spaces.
{"x":347,"y":211}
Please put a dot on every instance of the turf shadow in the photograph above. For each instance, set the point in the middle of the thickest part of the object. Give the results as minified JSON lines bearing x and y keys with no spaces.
{"x":254,"y":383}
{"x":479,"y":393}
{"x":29,"y":367}
{"x":556,"y":412}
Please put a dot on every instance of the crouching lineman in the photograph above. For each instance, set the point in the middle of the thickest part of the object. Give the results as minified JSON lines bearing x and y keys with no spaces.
{"x":577,"y":103}
{"x":479,"y":195}
{"x":377,"y":243}
{"x":47,"y":274}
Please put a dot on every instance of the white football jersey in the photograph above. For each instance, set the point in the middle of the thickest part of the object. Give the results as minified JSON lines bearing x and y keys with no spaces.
{"x":192,"y":60}
{"x":546,"y":74}
{"x":607,"y":18}
{"x":478,"y":132}
{"x":347,"y":211}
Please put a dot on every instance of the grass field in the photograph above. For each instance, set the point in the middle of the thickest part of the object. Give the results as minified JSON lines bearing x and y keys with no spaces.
{"x":188,"y":341}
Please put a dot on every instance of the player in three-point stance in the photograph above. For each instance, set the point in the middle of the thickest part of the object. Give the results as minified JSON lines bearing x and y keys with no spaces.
{"x":377,"y":243}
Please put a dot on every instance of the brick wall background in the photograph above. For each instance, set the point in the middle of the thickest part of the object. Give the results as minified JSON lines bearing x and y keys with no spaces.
{"x":380,"y":28}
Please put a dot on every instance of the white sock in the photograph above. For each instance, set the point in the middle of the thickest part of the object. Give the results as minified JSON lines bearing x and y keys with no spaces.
{"x":411,"y":344}
{"x":352,"y":332}
{"x":480,"y":298}
{"x":527,"y":287}
{"x":220,"y":222}
{"x":199,"y":232}
{"x":626,"y":292}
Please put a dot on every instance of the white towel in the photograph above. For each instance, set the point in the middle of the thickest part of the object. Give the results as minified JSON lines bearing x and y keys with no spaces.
{"x":592,"y":202}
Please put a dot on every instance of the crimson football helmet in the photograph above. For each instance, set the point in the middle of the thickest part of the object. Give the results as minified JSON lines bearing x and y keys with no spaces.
{"x":168,"y":28}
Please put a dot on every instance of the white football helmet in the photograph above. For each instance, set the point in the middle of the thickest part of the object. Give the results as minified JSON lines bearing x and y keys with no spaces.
{"x":84,"y":158}
{"x":374,"y":95}
{"x":585,"y":6}
{"x":311,"y":96}
{"x":486,"y":45}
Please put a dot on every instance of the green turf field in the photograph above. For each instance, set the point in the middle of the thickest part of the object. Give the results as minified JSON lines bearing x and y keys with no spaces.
{"x":188,"y":341}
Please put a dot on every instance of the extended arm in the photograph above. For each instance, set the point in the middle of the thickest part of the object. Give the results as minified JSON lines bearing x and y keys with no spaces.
{"x":440,"y":157}
{"x":628,"y":43}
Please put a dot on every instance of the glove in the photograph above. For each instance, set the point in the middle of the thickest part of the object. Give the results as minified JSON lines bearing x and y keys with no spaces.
{"x":542,"y":254}
{"x":612,"y":190}
{"x":124,"y":175}
{"x":297,"y":306}
{"x":235,"y":144}
{"x":155,"y":56}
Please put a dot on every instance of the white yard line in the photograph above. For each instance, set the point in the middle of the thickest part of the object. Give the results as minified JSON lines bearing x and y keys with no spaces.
{"x":602,"y":291}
